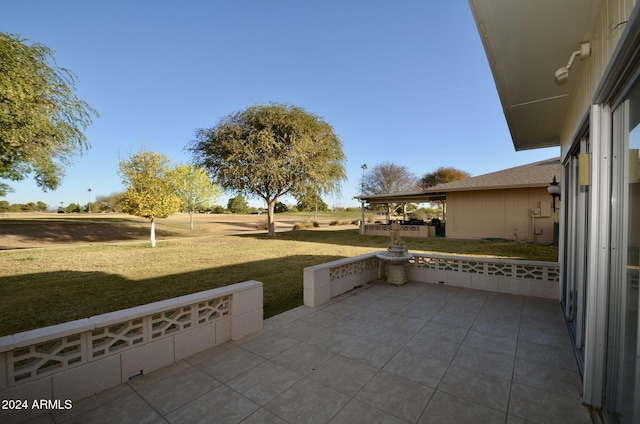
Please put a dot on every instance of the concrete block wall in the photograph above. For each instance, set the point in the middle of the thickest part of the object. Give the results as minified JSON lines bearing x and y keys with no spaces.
{"x":237,"y":311}
{"x":528,"y":278}
{"x":323,"y":282}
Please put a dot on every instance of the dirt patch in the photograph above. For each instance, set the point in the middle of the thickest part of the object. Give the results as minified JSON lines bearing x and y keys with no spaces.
{"x":30,"y":234}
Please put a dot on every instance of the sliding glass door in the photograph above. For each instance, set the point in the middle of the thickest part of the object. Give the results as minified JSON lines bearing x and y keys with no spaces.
{"x":622,"y":393}
{"x":575,"y":252}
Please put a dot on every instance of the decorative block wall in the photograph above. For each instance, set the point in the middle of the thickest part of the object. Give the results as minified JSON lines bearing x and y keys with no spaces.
{"x":529,"y":278}
{"x":77,"y":359}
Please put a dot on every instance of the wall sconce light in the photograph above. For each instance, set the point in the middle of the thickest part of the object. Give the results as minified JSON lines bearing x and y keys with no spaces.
{"x":554,"y":191}
{"x":585,"y":51}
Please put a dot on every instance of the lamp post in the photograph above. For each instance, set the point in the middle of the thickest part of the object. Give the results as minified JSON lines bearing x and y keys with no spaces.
{"x":364,"y":168}
{"x":554,"y":191}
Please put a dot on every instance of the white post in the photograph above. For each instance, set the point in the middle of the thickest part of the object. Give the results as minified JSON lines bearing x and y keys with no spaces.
{"x":153,"y":233}
{"x":362,"y":219}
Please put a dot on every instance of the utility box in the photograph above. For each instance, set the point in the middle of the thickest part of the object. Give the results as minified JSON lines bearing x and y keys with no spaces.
{"x":545,"y":209}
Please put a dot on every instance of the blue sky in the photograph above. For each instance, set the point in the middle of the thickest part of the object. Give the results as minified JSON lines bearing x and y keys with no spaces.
{"x":405,"y":82}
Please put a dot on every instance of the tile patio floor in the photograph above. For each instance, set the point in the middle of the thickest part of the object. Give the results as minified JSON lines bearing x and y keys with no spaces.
{"x":419,"y":353}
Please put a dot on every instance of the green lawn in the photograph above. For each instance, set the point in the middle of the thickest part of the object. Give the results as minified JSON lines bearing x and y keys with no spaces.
{"x":41,"y":287}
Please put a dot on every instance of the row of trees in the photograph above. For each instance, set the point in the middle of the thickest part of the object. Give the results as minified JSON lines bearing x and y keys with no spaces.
{"x":113,"y":203}
{"x":155,"y":189}
{"x":391,"y":178}
{"x":23,"y":207}
{"x":307,"y":201}
{"x":388,"y":177}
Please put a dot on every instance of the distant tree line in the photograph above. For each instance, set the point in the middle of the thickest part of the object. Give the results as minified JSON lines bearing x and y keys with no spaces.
{"x":23,"y":207}
{"x":112,"y":203}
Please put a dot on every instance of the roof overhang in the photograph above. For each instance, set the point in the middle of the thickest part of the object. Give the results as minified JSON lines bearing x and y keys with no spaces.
{"x":417,"y":197}
{"x":434,"y":195}
{"x":525,"y":43}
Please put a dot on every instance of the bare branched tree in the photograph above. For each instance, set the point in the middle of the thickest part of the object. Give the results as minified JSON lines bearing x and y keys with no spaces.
{"x":388,"y":177}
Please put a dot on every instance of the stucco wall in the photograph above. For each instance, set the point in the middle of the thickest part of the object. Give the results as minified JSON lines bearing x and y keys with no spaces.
{"x":506,"y":214}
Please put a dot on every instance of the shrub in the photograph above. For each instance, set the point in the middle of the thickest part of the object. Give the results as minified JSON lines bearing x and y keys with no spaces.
{"x":217,"y":209}
{"x":340,"y":223}
{"x":238,"y":204}
{"x":306,"y":225}
{"x":262,"y":224}
{"x":280,"y":208}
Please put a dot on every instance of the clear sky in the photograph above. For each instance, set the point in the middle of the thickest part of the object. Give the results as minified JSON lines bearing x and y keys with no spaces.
{"x":405,"y":82}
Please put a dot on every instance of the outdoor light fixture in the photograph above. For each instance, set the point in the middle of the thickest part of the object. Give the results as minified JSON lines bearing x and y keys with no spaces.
{"x":554,"y":191}
{"x":563,"y":73}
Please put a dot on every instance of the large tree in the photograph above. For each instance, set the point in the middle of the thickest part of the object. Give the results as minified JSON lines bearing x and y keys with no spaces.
{"x":238,"y":204}
{"x":443,"y":175}
{"x":149,"y":189}
{"x":269,"y":151}
{"x":387,"y":178}
{"x":309,"y":200}
{"x":194,"y":188}
{"x":41,"y":119}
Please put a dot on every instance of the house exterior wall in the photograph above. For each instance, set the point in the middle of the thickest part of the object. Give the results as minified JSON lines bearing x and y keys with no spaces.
{"x":597,"y":124}
{"x":604,"y":39}
{"x":513,"y":214}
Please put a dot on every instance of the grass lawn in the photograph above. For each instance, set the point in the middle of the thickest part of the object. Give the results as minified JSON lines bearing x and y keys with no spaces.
{"x":41,"y":287}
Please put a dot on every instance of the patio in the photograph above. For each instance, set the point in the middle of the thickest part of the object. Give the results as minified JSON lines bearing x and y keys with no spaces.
{"x":418,"y":353}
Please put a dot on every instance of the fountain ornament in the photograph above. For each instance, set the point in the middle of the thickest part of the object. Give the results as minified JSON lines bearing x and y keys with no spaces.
{"x":396,"y":256}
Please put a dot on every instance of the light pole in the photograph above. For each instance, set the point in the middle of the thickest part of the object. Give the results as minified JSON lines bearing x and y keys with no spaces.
{"x":364,"y":168}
